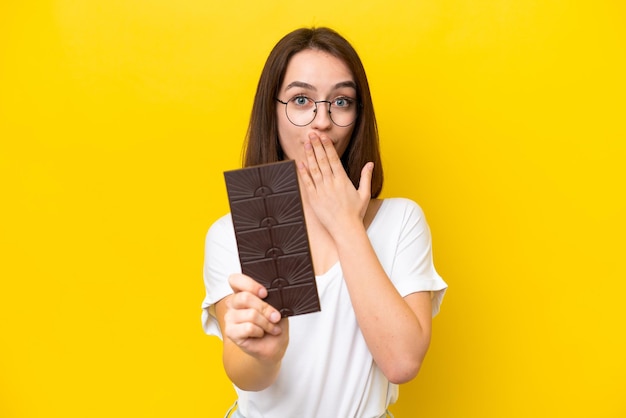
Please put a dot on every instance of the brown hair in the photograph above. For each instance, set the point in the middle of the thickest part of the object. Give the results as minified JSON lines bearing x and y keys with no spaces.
{"x":262,"y":145}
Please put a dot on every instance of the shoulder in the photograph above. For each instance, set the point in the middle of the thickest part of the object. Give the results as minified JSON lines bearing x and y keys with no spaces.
{"x":223,"y":221}
{"x":401,"y":207}
{"x":221,"y":229}
{"x":400,"y":202}
{"x":220,"y":249}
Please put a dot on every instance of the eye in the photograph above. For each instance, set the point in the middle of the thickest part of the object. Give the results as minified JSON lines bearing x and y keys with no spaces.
{"x":301,"y":101}
{"x":343,"y":102}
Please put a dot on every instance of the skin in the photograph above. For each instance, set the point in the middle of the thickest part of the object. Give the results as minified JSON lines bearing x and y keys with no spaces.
{"x":397,"y":330}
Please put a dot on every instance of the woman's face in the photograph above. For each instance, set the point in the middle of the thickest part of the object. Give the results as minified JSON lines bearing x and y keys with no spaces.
{"x":316,"y":75}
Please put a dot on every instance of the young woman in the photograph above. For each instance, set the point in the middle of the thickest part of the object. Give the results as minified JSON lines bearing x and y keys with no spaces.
{"x":372,"y":258}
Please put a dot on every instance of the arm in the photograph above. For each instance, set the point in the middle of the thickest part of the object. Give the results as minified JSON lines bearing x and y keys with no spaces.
{"x":255,"y":336}
{"x":396,"y":329}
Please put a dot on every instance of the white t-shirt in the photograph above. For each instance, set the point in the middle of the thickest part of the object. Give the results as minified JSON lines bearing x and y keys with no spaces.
{"x":328,"y":370}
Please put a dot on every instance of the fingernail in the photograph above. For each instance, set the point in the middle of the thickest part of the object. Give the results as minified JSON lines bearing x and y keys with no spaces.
{"x":274,"y":316}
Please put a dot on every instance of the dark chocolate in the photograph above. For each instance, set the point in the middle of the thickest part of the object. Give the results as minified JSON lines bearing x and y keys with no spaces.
{"x":272,"y":240}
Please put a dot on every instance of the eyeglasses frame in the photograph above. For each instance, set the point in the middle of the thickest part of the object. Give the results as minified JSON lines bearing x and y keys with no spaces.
{"x":315,"y":102}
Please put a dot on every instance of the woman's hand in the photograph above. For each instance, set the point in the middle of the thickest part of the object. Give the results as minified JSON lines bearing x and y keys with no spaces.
{"x":330,"y":191}
{"x":252,"y":324}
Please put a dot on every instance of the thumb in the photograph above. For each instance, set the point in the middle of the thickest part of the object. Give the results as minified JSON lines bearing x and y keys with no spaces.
{"x":365,"y":183}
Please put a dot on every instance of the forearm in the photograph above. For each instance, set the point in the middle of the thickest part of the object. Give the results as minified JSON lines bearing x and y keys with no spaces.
{"x":394,"y":333}
{"x":247,"y":372}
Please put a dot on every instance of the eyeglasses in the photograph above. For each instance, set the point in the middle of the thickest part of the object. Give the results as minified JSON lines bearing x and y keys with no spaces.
{"x":301,"y":110}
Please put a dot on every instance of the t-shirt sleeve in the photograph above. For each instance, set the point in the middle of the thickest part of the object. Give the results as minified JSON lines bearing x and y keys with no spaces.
{"x":221,"y":259}
{"x":413,"y":268}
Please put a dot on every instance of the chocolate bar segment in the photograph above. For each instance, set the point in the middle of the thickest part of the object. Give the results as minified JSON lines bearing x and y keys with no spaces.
{"x":271,"y":234}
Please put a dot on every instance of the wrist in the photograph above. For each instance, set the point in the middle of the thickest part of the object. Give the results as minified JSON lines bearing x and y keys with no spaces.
{"x":347,"y":231}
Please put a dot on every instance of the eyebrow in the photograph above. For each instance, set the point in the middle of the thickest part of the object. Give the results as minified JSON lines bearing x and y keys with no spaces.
{"x":308,"y":86}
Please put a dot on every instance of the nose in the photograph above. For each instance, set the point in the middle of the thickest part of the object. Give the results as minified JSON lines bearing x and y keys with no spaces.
{"x":322,"y":116}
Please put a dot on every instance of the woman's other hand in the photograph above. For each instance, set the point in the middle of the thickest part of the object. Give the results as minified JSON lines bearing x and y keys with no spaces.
{"x":328,"y":188}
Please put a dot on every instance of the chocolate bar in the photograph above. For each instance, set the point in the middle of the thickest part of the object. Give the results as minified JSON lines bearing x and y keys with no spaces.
{"x":271,"y":235}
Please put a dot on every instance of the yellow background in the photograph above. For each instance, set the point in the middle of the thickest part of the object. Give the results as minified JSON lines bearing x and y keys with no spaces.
{"x":504,"y":119}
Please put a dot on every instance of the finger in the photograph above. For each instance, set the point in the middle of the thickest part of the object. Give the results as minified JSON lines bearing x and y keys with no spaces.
{"x":321,"y":147}
{"x":245,"y":308}
{"x":331,"y":154}
{"x":243,"y":283}
{"x":251,"y":323}
{"x":305,"y":176}
{"x":365,"y":182}
{"x":241,"y":331}
{"x":249,"y":294}
{"x":249,"y":301}
{"x":311,"y":161}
